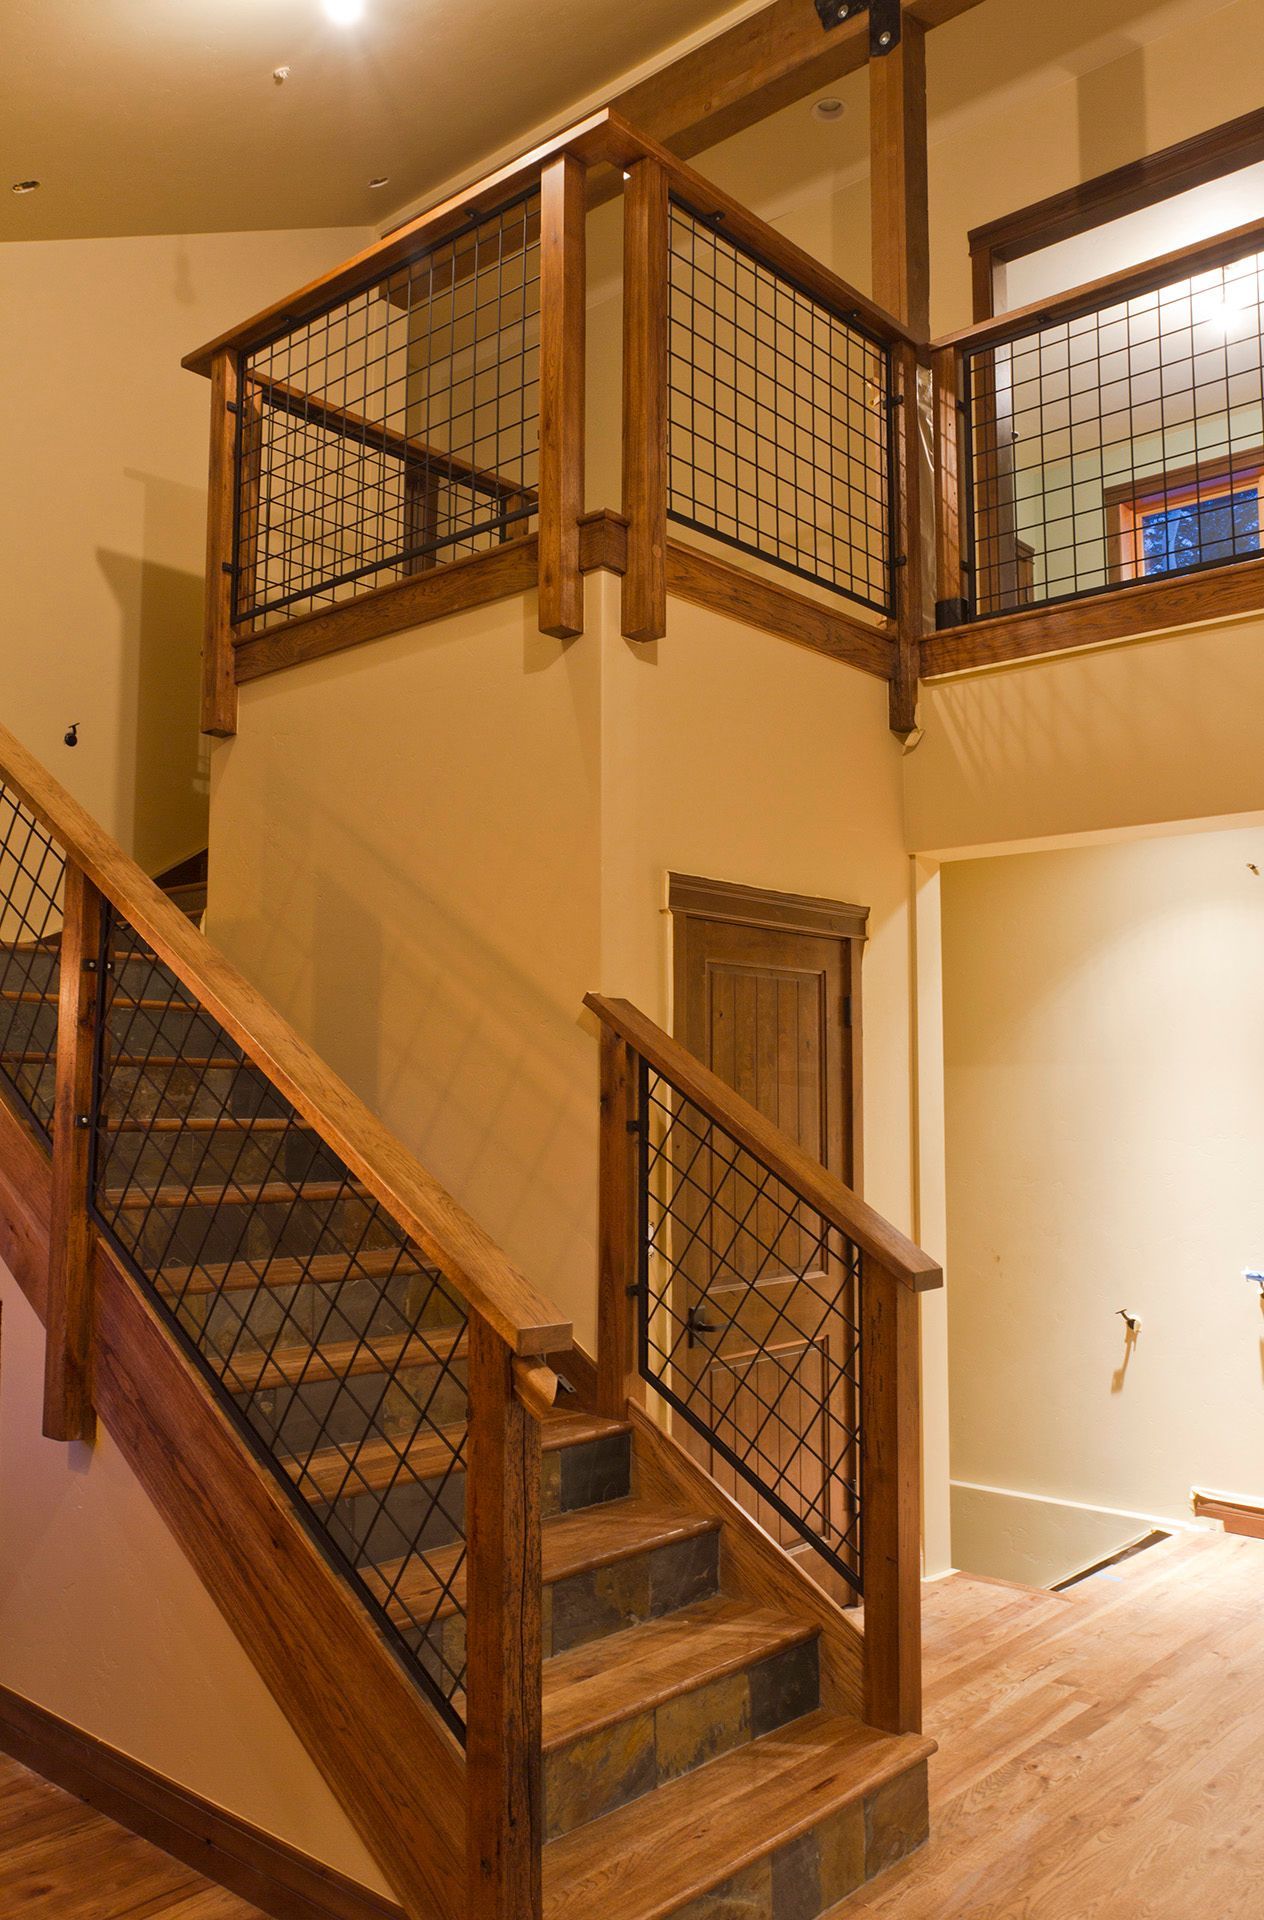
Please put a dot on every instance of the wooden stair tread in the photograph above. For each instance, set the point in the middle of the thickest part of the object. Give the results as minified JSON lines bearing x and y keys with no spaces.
{"x":336,"y":1473}
{"x":424,"y":1589}
{"x":341,"y":1359}
{"x":648,"y":1858}
{"x":293,"y":1270}
{"x":269,"y":1193}
{"x":193,"y":1123}
{"x":604,"y":1681}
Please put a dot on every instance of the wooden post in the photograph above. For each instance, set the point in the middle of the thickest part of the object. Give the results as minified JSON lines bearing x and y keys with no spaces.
{"x":646,"y":294}
{"x":219,"y":671}
{"x":421,"y":515}
{"x":950,"y":593}
{"x":901,"y":283}
{"x":563,"y":302}
{"x":504,"y":1588}
{"x":68,"y":1411}
{"x":618,"y":1377}
{"x":891,"y":1520}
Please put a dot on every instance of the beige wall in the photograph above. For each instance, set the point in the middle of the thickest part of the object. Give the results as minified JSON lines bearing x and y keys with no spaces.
{"x":1105,"y":1109}
{"x":104,"y":1622}
{"x":103,"y":454}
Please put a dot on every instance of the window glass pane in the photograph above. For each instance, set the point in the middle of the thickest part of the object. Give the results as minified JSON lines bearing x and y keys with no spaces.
{"x":1199,"y":531}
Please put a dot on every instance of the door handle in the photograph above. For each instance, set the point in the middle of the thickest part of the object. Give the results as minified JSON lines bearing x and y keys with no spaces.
{"x":696,"y":1324}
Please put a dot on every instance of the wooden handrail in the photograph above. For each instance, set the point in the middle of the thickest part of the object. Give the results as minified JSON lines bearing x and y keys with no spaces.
{"x":1237,"y":243}
{"x":822,"y":1190}
{"x":523,"y":1318}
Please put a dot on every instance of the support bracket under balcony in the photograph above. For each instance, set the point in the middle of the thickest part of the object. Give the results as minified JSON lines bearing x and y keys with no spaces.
{"x":884,"y":21}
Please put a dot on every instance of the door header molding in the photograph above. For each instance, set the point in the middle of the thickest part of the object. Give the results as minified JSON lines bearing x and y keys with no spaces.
{"x":688,"y":893}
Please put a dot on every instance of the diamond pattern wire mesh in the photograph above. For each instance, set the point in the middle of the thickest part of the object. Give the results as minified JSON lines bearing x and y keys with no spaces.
{"x":748,"y":1309}
{"x":32,"y":870}
{"x":1118,"y":445}
{"x":336,"y":1348}
{"x":396,"y":430}
{"x":780,"y":432}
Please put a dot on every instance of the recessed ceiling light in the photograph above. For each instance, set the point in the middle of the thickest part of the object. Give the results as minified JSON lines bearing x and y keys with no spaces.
{"x":830,"y":109}
{"x":24,"y":186}
{"x":344,"y":13}
{"x":380,"y":180}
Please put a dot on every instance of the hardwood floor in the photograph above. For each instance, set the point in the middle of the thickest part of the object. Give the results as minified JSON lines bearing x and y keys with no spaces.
{"x":61,"y":1861}
{"x":1101,"y":1751}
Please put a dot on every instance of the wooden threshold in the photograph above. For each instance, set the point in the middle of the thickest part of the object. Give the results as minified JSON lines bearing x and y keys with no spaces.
{"x":1147,"y":610}
{"x":253,"y":1864}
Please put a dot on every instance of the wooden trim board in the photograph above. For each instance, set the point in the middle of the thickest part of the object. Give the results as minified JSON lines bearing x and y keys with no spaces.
{"x":1244,"y":1517}
{"x":255,"y":1865}
{"x":760,"y":907}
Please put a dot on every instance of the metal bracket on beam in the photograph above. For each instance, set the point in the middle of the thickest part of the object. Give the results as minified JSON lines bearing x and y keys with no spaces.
{"x":884,"y":21}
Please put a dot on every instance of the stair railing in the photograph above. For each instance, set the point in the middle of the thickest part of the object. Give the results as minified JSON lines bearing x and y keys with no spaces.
{"x":777,"y":1316}
{"x":244,"y":1186}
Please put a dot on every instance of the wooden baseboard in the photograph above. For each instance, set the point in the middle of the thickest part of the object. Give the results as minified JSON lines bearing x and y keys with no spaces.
{"x":257,"y":1867}
{"x":1237,"y":1516}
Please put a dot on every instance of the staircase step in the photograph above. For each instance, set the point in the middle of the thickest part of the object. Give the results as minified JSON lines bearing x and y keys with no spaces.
{"x":195,"y":1123}
{"x":783,"y":1828}
{"x":338,"y":1473}
{"x":574,"y":1544}
{"x":271,"y":1193}
{"x":286,"y":1270}
{"x":343,"y":1360}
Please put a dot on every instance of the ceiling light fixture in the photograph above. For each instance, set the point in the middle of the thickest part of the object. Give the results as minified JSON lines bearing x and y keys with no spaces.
{"x":24,"y":186}
{"x":830,"y":109}
{"x":344,"y":13}
{"x":380,"y":180}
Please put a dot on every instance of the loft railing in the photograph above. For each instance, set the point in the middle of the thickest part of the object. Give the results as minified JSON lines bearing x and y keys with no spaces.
{"x":375,"y":1351}
{"x":406,"y":436}
{"x":776,"y":1315}
{"x":1106,"y":439}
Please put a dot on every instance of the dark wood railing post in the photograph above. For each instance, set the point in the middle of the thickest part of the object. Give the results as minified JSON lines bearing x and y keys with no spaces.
{"x":618,"y":1378}
{"x":563,"y":302}
{"x":68,"y":1413}
{"x":219,"y":672}
{"x":890,"y":1496}
{"x":951,"y":599}
{"x":646,"y":295}
{"x":504,"y":1594}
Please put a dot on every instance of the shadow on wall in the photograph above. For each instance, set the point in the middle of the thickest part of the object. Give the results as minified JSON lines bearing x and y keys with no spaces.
{"x":162,"y":760}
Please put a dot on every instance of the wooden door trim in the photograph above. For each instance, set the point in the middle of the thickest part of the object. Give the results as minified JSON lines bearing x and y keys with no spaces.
{"x":688,"y":894}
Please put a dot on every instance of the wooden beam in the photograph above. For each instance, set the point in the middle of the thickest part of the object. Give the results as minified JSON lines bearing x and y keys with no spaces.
{"x":219,"y":683}
{"x":900,"y":221}
{"x":766,"y":62}
{"x":504,"y":1764}
{"x":68,"y":1411}
{"x":708,"y":581}
{"x":563,"y":301}
{"x":646,"y":269}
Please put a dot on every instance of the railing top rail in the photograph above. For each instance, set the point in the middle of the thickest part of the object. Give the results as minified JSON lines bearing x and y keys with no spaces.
{"x":822,"y":1190}
{"x":1237,"y":243}
{"x":526,"y":1321}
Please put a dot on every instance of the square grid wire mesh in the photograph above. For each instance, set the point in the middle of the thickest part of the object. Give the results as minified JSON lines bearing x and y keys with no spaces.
{"x":780,"y":427}
{"x":32,"y":873}
{"x":396,"y":430}
{"x":749,"y":1326}
{"x":1122,"y":444}
{"x":338,"y":1351}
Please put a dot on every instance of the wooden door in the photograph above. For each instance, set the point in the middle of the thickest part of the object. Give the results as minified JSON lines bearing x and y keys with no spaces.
{"x":768,"y":997}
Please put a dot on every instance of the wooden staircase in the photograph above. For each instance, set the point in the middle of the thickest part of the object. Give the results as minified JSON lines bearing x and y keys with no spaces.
{"x":346,"y":1403}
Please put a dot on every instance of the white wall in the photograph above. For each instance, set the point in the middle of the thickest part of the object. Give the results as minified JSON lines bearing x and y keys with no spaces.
{"x":1104,"y":1036}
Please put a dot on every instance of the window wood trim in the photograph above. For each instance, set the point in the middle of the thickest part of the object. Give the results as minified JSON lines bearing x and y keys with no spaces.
{"x":1141,"y":183}
{"x":689,"y":895}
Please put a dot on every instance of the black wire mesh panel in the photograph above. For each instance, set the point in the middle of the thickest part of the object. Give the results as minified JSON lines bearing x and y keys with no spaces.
{"x":396,"y":430}
{"x":32,"y":872}
{"x":748,"y":1309}
{"x":780,"y":430}
{"x":338,"y":1351}
{"x":1123,"y":444}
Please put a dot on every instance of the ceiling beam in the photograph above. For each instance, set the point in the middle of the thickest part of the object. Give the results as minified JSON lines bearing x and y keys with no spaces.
{"x":766,"y":62}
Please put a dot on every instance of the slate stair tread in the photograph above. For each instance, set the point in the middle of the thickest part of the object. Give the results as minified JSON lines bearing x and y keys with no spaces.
{"x":604,"y":1681}
{"x":571,"y":1543}
{"x":338,"y":1472}
{"x":648,"y":1859}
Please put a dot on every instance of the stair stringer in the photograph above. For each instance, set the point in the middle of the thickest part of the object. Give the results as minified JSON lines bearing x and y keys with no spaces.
{"x":387,"y":1757}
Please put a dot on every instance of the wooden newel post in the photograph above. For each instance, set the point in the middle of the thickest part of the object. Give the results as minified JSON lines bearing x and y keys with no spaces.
{"x":646,"y":298}
{"x":618,"y":1379}
{"x":891,"y":1500}
{"x":504,"y":1592}
{"x":68,"y":1411}
{"x":563,"y":301}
